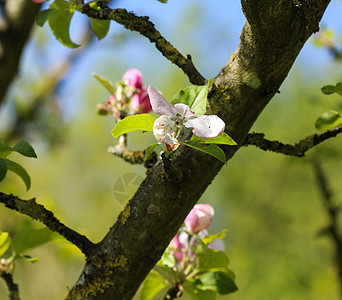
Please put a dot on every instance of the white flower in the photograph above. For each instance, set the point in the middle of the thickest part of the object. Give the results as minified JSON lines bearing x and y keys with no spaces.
{"x":173,"y":118}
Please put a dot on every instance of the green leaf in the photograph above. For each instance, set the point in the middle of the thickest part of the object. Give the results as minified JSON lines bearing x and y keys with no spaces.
{"x":20,"y":171}
{"x":331,"y":89}
{"x":329,"y":120}
{"x":59,"y":22}
{"x":105,"y":82}
{"x":3,"y":169}
{"x":195,"y":96}
{"x":338,"y":88}
{"x":100,"y":27}
{"x":5,"y":242}
{"x":191,"y":292}
{"x":210,"y":238}
{"x":168,"y":259}
{"x":223,"y":139}
{"x":219,"y":282}
{"x":328,"y":89}
{"x":210,"y":149}
{"x":142,"y":122}
{"x":209,"y":258}
{"x":5,"y":150}
{"x":24,"y":148}
{"x":31,"y":238}
{"x":162,"y":1}
{"x":152,"y":285}
{"x":43,"y":16}
{"x":29,"y":258}
{"x":149,"y":150}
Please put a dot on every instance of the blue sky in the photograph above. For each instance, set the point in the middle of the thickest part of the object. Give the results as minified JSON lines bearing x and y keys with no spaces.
{"x":211,"y":35}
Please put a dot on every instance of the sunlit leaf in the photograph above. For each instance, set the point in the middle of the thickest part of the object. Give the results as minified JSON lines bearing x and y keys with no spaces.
{"x":191,"y":292}
{"x":142,"y":122}
{"x":29,"y":258}
{"x":31,"y":238}
{"x":223,"y":139}
{"x":209,"y":258}
{"x":152,"y":285}
{"x":20,"y":171}
{"x":219,"y":282}
{"x":195,"y":96}
{"x":5,"y":242}
{"x":210,"y":238}
{"x":328,"y":120}
{"x":59,"y":22}
{"x":105,"y":82}
{"x":100,"y":27}
{"x":210,"y":149}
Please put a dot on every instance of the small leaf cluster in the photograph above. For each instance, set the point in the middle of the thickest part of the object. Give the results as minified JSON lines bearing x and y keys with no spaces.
{"x":200,"y":275}
{"x":196,"y":98}
{"x":59,"y":15}
{"x":332,"y":118}
{"x":23,"y":148}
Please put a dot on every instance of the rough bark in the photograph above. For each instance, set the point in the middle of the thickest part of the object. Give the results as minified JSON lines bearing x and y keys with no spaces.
{"x":15,"y":25}
{"x":270,"y":41}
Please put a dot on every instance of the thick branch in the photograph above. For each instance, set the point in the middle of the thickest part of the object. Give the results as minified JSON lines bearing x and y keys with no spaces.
{"x":146,"y":28}
{"x":38,"y":212}
{"x":15,"y":26}
{"x":298,"y":149}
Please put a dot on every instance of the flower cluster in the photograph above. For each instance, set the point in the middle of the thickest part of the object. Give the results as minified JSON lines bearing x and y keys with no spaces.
{"x":130,"y":97}
{"x":194,"y":229}
{"x":174,"y":118}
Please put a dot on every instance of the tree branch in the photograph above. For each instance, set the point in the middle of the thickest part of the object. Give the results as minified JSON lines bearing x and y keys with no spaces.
{"x":15,"y":26}
{"x":333,"y":214}
{"x":11,"y":285}
{"x":146,"y":28}
{"x":133,"y":157}
{"x":38,"y":212}
{"x":299,"y":149}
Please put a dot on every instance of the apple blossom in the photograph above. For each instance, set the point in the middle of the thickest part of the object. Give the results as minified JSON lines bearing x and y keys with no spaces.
{"x":199,"y":218}
{"x":173,"y":119}
{"x":133,"y":77}
{"x":141,"y":101}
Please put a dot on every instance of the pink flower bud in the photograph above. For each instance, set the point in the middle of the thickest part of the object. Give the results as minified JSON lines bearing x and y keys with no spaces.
{"x":133,"y":77}
{"x":141,"y":102}
{"x":199,"y":218}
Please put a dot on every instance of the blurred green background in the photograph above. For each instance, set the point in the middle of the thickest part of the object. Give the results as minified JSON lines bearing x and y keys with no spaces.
{"x":270,"y":203}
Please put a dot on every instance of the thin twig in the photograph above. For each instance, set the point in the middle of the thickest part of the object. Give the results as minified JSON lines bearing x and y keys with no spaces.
{"x":12,"y":287}
{"x":146,"y":28}
{"x":333,"y":213}
{"x":38,"y":212}
{"x":298,"y":149}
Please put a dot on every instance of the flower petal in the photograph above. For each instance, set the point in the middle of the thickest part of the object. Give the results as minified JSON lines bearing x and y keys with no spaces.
{"x":164,"y":131}
{"x":206,"y":126}
{"x":183,"y":110}
{"x":133,"y":77}
{"x":159,"y":104}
